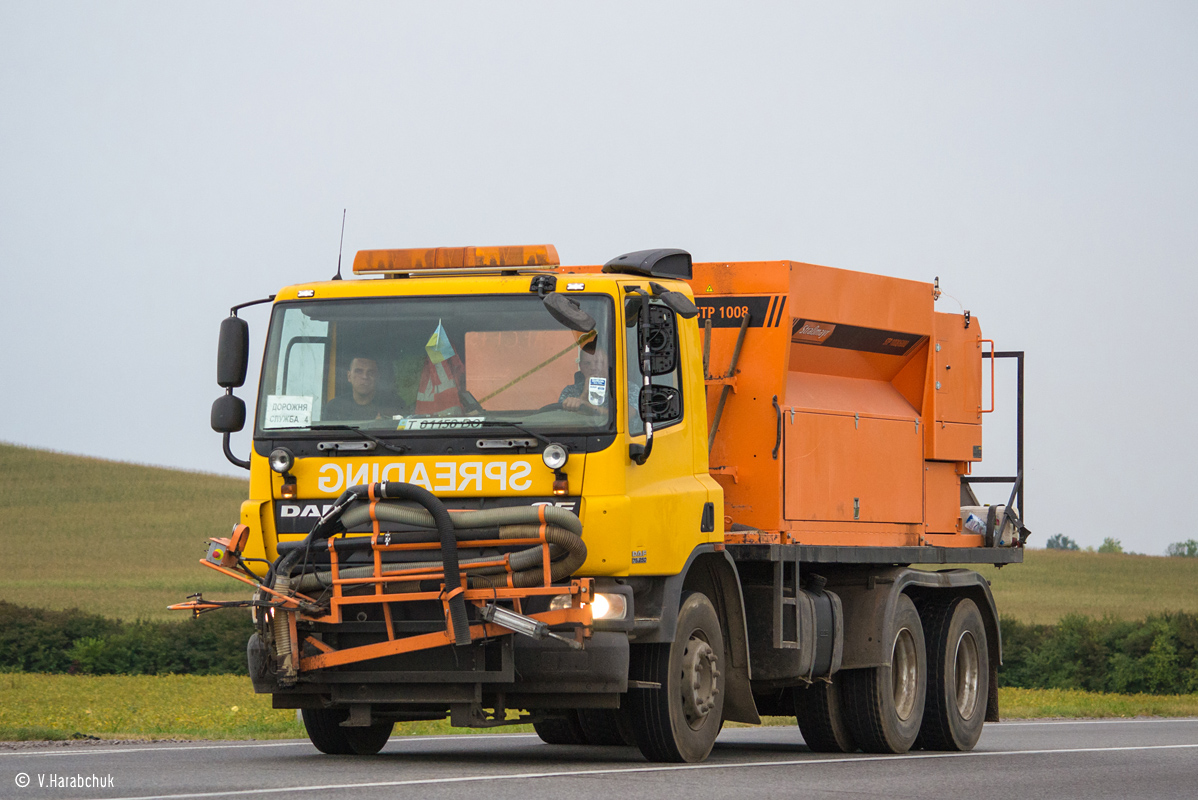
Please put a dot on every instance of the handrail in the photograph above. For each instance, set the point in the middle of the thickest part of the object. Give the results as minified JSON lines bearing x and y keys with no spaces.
{"x":991,"y":408}
{"x":1019,"y":478}
{"x":778,"y":439}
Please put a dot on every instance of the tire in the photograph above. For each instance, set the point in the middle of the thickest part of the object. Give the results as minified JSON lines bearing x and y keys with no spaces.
{"x":680,"y":721}
{"x":958,"y":659}
{"x":325,"y":731}
{"x":884,"y":705}
{"x":565,"y":729}
{"x":820,"y":714}
{"x":607,"y":727}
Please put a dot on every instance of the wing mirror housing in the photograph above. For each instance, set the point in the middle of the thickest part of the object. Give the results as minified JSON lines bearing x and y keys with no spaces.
{"x":680,"y":303}
{"x":232,"y":352}
{"x":568,"y":312}
{"x":660,"y":336}
{"x":660,"y":404}
{"x":228,"y":414}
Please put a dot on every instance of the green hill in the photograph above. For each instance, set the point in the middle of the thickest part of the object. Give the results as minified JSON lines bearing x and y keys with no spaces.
{"x":122,"y":540}
{"x":1052,"y":583}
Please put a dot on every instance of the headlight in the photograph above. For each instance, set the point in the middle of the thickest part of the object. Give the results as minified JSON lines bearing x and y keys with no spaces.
{"x":281,"y":460}
{"x":555,"y":456}
{"x":606,"y":606}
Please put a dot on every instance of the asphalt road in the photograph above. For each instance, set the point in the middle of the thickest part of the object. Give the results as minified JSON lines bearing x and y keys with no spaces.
{"x":1149,"y":758}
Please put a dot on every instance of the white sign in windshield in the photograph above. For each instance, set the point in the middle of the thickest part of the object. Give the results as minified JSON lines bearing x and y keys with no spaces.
{"x":597,"y":391}
{"x":288,"y":411}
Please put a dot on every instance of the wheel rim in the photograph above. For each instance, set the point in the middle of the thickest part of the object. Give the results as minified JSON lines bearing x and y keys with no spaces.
{"x":699,"y":682}
{"x":905,"y":673}
{"x":968,"y":667}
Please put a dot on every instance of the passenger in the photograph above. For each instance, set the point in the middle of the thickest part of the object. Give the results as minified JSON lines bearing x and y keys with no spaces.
{"x":366,"y":401}
{"x":589,"y":393}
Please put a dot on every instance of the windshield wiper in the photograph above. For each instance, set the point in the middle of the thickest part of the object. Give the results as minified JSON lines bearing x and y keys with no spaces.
{"x":394,"y":448}
{"x":517,"y":426}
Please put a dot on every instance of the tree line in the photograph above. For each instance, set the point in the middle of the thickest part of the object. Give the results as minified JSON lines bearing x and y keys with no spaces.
{"x":1059,"y":541}
{"x":1156,"y":655}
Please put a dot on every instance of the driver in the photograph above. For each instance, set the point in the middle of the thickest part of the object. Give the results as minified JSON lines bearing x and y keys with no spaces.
{"x":589,"y":393}
{"x":365,"y":401}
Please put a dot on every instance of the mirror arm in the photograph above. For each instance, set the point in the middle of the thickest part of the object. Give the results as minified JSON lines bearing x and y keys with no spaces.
{"x":237,"y":462}
{"x":234,"y":460}
{"x":233,"y":311}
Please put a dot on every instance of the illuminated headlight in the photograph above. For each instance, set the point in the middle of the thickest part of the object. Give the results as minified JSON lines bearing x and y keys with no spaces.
{"x":555,"y":456}
{"x":281,"y":460}
{"x":605,"y":606}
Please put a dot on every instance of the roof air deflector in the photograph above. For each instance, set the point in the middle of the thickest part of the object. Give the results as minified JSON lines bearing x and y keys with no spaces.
{"x":659,"y":263}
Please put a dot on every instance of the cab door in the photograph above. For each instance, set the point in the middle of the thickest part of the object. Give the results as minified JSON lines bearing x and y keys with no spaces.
{"x":666,"y":497}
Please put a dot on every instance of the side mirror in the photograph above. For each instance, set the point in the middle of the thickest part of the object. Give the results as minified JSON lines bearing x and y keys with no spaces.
{"x":681,"y":304}
{"x":228,"y":414}
{"x":232,"y":353}
{"x":568,"y":313}
{"x":660,"y":404}
{"x":662,"y":338}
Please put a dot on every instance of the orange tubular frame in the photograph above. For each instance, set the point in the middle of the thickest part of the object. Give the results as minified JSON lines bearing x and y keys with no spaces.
{"x":577,"y":615}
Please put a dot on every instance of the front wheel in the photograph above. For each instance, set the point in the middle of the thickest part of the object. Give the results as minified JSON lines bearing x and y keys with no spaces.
{"x":679,"y":721}
{"x":325,"y":730}
{"x":884,"y":705}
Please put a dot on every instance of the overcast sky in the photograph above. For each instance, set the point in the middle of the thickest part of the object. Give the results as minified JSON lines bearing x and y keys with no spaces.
{"x":163,"y":161}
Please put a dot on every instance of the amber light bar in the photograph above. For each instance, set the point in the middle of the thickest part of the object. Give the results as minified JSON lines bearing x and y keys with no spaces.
{"x":421,"y":258}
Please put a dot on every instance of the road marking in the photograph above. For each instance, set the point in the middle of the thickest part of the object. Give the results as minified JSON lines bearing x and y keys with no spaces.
{"x":82,"y":751}
{"x":68,"y":751}
{"x":1096,"y":721}
{"x":585,"y":773}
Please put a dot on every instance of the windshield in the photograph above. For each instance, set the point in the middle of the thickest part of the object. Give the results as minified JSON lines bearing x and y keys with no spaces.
{"x":436,"y":364}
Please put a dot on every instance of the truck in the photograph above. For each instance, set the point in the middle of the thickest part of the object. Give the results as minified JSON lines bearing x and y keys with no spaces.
{"x":625,"y":503}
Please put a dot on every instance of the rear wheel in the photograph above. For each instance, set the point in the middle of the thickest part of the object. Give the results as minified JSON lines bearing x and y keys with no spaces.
{"x":958,"y":675}
{"x":325,"y":730}
{"x":607,"y":727}
{"x":884,"y":705}
{"x":679,"y":721}
{"x":820,"y":714}
{"x":561,"y":730}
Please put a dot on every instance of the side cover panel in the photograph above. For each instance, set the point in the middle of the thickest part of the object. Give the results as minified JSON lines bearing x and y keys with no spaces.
{"x":848,"y":468}
{"x":956,"y":386}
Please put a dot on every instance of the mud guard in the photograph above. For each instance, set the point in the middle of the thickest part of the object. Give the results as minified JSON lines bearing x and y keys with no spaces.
{"x":713,"y":572}
{"x":868,"y":600}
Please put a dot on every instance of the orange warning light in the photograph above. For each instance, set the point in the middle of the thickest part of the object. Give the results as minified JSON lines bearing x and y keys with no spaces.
{"x":416,"y":258}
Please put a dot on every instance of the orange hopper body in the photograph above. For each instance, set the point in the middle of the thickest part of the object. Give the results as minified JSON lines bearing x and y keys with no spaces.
{"x":853,"y":411}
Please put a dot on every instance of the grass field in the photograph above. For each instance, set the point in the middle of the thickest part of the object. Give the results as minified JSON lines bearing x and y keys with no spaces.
{"x":225,"y":707}
{"x":1052,"y":583}
{"x":116,"y":539}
